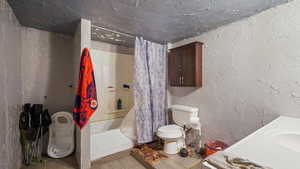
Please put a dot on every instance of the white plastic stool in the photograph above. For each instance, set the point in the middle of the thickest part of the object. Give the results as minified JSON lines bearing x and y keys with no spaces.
{"x":61,"y":135}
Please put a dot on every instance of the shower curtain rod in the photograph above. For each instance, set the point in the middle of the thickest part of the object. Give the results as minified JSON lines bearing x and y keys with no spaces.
{"x":117,"y":32}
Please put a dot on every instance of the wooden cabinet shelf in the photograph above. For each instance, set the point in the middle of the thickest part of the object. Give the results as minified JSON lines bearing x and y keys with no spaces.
{"x":185,"y":65}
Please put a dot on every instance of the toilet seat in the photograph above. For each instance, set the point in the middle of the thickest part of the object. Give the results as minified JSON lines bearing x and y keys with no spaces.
{"x":174,"y":135}
{"x":170,"y":131}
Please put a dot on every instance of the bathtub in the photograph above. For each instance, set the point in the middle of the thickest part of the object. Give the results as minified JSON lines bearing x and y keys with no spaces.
{"x":276,"y":145}
{"x":107,"y":139}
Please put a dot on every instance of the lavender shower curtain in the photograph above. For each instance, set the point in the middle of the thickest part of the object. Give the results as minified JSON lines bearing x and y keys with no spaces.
{"x":150,"y":73}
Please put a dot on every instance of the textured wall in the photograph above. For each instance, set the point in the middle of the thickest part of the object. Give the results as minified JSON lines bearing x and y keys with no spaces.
{"x":251,"y":74}
{"x":10,"y":88}
{"x":47,"y":69}
{"x":34,"y":64}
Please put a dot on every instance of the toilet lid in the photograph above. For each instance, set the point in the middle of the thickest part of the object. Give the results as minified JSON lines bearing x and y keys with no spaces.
{"x":169,"y":131}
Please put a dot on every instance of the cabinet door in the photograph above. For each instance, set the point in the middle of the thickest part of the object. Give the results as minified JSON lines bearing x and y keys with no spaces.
{"x":188,"y":66}
{"x":185,"y":65}
{"x":175,"y":67}
{"x":198,"y":64}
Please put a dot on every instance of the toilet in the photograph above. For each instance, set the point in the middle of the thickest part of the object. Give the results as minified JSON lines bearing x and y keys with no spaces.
{"x":61,"y":135}
{"x":174,"y":135}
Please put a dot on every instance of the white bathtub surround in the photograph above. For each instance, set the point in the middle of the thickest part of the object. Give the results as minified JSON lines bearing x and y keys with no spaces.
{"x":276,"y":145}
{"x":102,"y":126}
{"x":109,"y":142}
{"x":251,"y":74}
{"x":112,"y":71}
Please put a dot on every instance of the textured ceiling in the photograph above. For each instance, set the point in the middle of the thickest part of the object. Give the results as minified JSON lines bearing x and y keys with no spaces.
{"x":156,"y":20}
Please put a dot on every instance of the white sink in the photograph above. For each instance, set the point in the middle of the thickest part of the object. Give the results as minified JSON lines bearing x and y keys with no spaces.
{"x":278,"y":140}
{"x":288,"y":140}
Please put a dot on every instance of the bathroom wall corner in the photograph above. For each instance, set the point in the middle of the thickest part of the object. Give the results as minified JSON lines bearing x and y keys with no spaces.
{"x":10,"y":88}
{"x":82,"y":39}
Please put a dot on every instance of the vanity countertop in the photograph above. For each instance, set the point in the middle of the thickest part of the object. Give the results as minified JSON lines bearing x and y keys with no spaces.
{"x":276,"y":145}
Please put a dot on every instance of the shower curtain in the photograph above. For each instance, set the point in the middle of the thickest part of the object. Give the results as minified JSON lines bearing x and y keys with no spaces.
{"x":150,"y":73}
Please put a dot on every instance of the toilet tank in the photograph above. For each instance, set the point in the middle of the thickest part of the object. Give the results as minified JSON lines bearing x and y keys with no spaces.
{"x":183,"y":115}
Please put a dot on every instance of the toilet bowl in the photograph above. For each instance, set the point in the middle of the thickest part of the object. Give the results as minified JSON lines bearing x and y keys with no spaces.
{"x":61,"y":135}
{"x":171,"y":134}
{"x":174,"y":135}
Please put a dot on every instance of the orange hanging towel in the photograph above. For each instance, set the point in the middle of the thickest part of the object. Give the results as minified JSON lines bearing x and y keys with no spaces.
{"x":86,"y":96}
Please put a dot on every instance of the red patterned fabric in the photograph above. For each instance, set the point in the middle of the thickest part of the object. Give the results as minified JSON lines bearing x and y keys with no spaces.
{"x":86,"y":96}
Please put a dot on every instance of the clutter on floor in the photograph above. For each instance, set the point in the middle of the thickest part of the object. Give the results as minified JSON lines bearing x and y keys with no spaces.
{"x":33,"y":124}
{"x":214,"y":146}
{"x":52,"y":163}
{"x":149,"y":159}
{"x":149,"y":154}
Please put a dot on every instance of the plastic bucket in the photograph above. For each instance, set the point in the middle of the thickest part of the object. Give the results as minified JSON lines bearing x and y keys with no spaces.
{"x":214,"y":146}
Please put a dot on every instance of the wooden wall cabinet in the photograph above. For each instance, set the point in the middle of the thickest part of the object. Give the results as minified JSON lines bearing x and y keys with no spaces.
{"x":185,"y":65}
